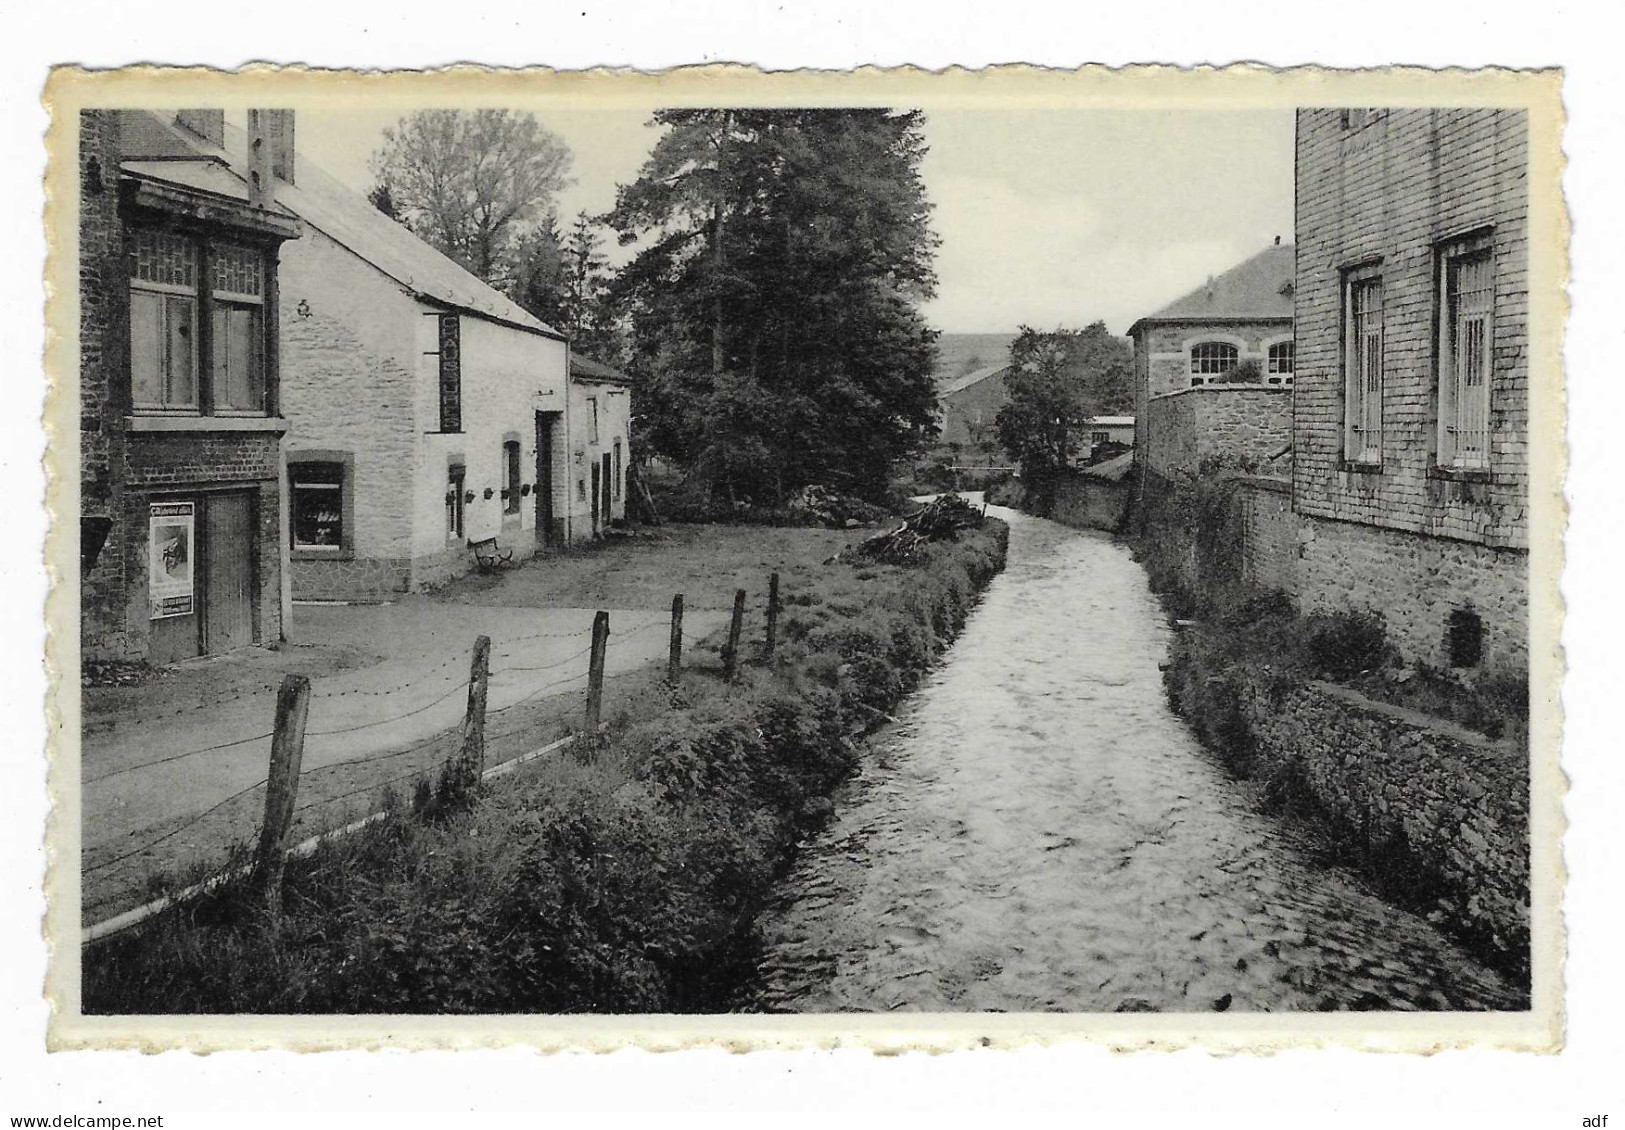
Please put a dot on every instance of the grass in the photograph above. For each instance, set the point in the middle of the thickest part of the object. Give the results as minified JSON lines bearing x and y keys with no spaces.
{"x":621,"y":877}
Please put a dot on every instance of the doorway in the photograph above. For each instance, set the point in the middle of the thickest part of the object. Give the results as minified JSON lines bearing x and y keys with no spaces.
{"x":201,"y":575}
{"x":607,"y":494}
{"x":597,"y":490}
{"x":544,"y":478}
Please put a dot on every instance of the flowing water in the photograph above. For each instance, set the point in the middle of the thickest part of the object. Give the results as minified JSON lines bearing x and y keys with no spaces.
{"x":1039,"y":833}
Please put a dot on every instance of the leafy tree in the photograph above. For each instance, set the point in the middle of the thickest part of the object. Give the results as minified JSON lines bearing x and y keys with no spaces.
{"x":588,"y":314}
{"x":783,"y":256}
{"x":471,"y":183}
{"x":382,"y":199}
{"x":1058,"y":380}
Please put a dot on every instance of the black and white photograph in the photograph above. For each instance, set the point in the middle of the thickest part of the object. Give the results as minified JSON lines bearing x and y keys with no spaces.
{"x":846,"y":555}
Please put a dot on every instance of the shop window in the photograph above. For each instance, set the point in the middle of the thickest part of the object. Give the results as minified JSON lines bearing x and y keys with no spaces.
{"x":168,"y":371}
{"x":510,"y":477}
{"x":316,"y":507}
{"x":455,"y":477}
{"x":1211,"y":360}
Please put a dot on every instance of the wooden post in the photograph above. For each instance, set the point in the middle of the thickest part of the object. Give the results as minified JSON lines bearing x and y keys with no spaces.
{"x":730,"y":657}
{"x":595,"y":671}
{"x":772,"y":616}
{"x":471,"y":760}
{"x":674,"y":661}
{"x":282,"y":785}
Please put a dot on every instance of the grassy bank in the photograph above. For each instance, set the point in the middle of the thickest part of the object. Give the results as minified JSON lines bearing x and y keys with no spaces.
{"x":621,"y":877}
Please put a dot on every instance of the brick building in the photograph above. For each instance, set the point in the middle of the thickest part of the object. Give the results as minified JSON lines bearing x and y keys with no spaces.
{"x":426,"y":410}
{"x":180,"y":397}
{"x":1410,"y":473}
{"x":1193,"y":349}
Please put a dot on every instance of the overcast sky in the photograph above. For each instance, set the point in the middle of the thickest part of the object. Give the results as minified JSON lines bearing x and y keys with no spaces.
{"x":1047,"y":217}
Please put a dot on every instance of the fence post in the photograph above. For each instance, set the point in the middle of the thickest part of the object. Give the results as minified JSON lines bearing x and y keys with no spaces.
{"x":595,"y":671}
{"x":674,"y":661}
{"x":772,"y":616}
{"x":282,"y":784}
{"x":471,"y":760}
{"x":730,"y":658}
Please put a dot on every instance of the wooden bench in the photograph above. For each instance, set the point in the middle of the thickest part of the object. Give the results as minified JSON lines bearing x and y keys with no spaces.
{"x":490,"y":556}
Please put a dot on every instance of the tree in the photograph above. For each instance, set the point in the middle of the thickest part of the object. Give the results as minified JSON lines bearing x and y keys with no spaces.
{"x":588,"y":315}
{"x":471,"y":183}
{"x":1057,"y":381}
{"x":538,"y":282}
{"x":783,"y":256}
{"x":382,"y":199}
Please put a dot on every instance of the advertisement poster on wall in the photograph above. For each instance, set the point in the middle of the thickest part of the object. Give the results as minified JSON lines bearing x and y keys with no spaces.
{"x":170,"y":551}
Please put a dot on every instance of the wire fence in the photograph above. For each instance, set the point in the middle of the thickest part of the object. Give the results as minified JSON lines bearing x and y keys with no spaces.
{"x":442,"y":744}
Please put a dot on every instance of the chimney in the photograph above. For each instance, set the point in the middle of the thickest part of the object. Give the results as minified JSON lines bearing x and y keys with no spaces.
{"x":270,"y":154}
{"x":210,"y":125}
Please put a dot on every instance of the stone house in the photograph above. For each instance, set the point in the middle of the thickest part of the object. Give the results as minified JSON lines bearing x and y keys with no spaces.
{"x":968,"y":405}
{"x":181,"y":401}
{"x":601,"y":402}
{"x":1188,"y":402}
{"x":426,"y":410}
{"x":1410,"y":472}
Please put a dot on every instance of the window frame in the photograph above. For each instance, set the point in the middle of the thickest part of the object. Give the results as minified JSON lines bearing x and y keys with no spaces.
{"x":592,"y":419}
{"x":456,"y":501}
{"x":345,"y":462}
{"x":1198,"y":362}
{"x":1274,"y":374}
{"x":1476,"y":247}
{"x":1363,"y":405}
{"x":204,"y":250}
{"x":513,"y":457}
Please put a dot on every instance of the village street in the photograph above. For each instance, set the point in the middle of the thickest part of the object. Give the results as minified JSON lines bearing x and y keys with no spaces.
{"x":1038,"y":832}
{"x":175,"y":763}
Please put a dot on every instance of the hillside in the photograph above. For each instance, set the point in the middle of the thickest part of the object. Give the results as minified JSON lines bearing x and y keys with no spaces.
{"x":958,"y":354}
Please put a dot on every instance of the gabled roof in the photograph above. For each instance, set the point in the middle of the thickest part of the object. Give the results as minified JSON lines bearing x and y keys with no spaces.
{"x":588,"y":369}
{"x":338,"y":212}
{"x":1258,"y":289}
{"x":960,"y":384}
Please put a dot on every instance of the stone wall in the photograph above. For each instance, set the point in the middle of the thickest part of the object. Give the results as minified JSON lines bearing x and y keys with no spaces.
{"x":1250,"y":422}
{"x":1162,"y":356}
{"x":1269,"y":533}
{"x":1410,"y":792}
{"x":1415,"y":582}
{"x":1087,"y":502}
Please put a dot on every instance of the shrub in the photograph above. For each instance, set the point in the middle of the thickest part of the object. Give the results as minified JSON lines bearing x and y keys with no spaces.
{"x":1344,"y":643}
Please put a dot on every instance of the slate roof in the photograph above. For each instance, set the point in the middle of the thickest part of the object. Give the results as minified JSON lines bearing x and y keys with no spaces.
{"x":337,"y":211}
{"x":1259,"y":289}
{"x":960,"y":384}
{"x":589,"y":369}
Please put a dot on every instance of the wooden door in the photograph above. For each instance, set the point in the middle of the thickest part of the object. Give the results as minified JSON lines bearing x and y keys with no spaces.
{"x":544,"y":478}
{"x":228,"y":572}
{"x":597,"y":486}
{"x":174,"y":549}
{"x":608,"y":491}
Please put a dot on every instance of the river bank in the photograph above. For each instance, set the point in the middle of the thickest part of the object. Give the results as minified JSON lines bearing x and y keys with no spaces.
{"x":1040,"y":832}
{"x":620,"y":877}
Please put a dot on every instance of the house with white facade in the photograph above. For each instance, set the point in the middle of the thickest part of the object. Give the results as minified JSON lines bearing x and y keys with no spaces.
{"x":427,"y":412}
{"x":601,"y":406}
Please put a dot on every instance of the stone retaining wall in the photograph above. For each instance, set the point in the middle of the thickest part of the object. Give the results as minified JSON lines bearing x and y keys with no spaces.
{"x":1435,"y":813}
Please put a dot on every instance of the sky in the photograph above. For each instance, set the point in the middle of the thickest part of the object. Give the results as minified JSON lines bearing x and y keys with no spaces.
{"x":1048,"y":217}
